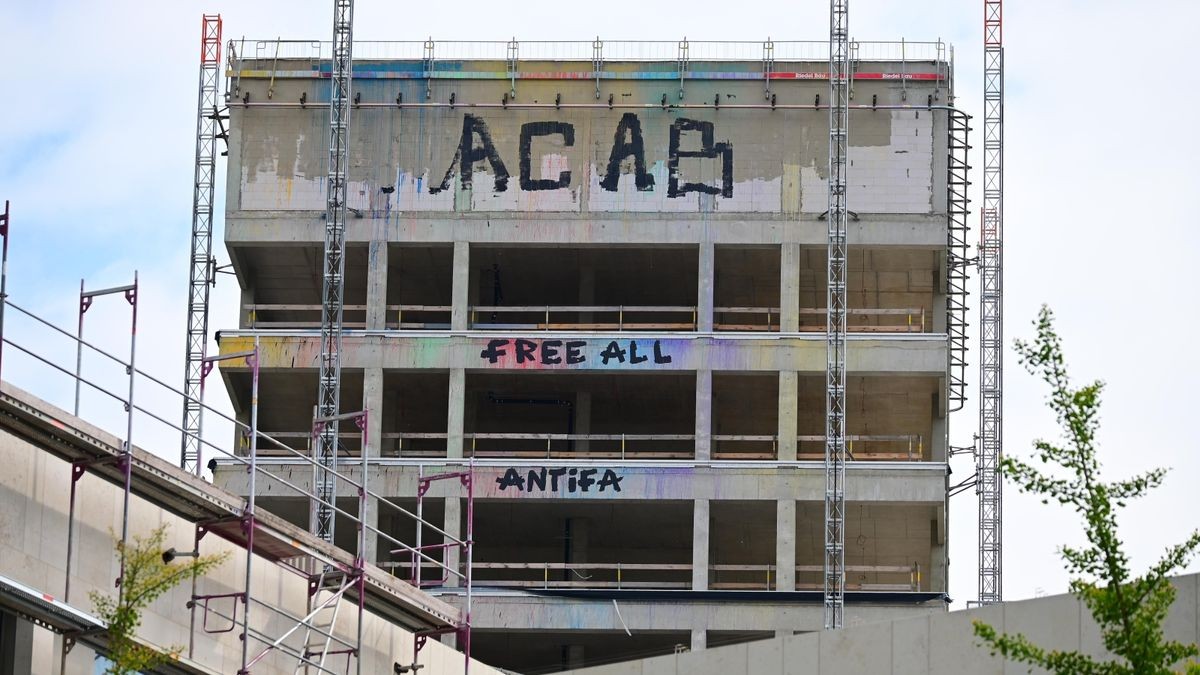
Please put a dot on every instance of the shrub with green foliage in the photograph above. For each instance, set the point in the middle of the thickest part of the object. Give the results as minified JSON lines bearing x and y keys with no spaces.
{"x":1128,"y":609}
{"x":146,"y":578}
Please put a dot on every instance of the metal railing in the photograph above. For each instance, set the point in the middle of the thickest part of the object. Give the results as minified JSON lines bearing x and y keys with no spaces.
{"x":618,"y":575}
{"x":271,"y":482}
{"x":407,"y":317}
{"x":598,"y":317}
{"x":587,"y":50}
{"x":860,"y":447}
{"x":588,"y":317}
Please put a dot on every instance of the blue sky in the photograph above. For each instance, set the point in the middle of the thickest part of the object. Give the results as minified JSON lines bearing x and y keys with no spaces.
{"x":97,"y":145}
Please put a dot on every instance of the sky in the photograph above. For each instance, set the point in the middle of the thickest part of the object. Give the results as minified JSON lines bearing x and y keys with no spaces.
{"x":97,"y":142}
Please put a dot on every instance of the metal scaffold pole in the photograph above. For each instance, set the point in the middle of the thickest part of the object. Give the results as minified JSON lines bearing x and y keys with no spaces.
{"x":991,"y":309}
{"x":201,"y":267}
{"x":329,"y":383}
{"x":835,"y":316}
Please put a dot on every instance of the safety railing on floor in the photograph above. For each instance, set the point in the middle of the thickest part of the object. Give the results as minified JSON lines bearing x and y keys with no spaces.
{"x":877,"y":578}
{"x":616,"y":575}
{"x":761,"y":447}
{"x":588,"y":318}
{"x":858,"y":319}
{"x":859,"y":447}
{"x":329,"y":581}
{"x":295,"y":315}
{"x":581,"y":446}
{"x":673,"y":51}
{"x":584,"y":317}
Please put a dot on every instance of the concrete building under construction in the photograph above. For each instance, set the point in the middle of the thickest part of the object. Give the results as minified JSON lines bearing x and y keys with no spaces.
{"x":596,"y":273}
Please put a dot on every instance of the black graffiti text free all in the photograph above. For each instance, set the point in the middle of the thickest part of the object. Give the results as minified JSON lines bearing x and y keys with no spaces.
{"x":573,"y":352}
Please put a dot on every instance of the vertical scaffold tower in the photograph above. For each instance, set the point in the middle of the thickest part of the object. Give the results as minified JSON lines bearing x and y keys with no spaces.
{"x":200,"y":278}
{"x":835,"y":317}
{"x":991,"y":310}
{"x":329,"y":383}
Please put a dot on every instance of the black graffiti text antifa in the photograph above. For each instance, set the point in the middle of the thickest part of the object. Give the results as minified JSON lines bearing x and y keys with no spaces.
{"x":580,"y":480}
{"x":627,"y":144}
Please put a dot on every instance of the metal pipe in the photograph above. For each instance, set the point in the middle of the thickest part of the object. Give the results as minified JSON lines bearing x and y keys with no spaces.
{"x":4,"y":223}
{"x":248,"y":516}
{"x":361,"y":560}
{"x":130,"y":297}
{"x":79,"y":344}
{"x":469,"y":479}
{"x":416,"y":566}
{"x":634,"y":106}
{"x":76,"y":474}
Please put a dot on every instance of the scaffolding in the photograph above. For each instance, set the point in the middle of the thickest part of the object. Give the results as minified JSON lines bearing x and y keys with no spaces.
{"x":333,"y":576}
{"x":330,"y":379}
{"x":200,"y":279}
{"x":835,"y":317}
{"x":957,"y":265}
{"x":991,"y":311}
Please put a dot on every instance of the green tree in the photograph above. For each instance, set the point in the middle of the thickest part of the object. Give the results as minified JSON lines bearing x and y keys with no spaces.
{"x":146,"y":578}
{"x":1129,"y":609}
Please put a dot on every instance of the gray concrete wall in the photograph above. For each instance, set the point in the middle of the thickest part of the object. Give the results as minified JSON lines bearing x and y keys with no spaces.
{"x":866,"y":355}
{"x":34,"y":489}
{"x":878,"y":482}
{"x":937,"y":644}
{"x":406,"y":160}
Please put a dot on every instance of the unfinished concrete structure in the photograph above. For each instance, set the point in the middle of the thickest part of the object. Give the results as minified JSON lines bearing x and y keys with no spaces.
{"x":596,"y":271}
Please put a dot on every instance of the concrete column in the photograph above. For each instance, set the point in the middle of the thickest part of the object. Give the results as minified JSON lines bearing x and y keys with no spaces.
{"x":16,"y":645}
{"x":583,"y":419}
{"x":936,"y":579}
{"x":703,"y":431}
{"x":935,"y":446}
{"x":373,"y":404}
{"x":454,"y":414}
{"x":573,"y":656}
{"x":453,"y":527}
{"x":587,"y":291}
{"x":789,"y":397}
{"x":577,"y":545}
{"x":937,"y":322}
{"x":377,"y":274}
{"x":704,"y":291}
{"x":460,"y":287}
{"x":789,"y":288}
{"x":700,"y":544}
{"x":699,"y":639}
{"x":785,"y":545}
{"x":246,"y":316}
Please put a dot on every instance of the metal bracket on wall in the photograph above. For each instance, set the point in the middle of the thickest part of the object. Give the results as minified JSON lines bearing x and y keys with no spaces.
{"x":768,"y":67}
{"x":429,"y":68}
{"x":597,"y":62}
{"x":683,"y":64}
{"x":513,"y":50}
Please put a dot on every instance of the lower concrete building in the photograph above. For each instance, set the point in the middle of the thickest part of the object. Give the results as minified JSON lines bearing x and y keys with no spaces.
{"x":939,"y":644}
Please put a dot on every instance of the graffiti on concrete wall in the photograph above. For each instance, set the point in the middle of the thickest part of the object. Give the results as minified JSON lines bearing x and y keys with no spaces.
{"x":569,"y":480}
{"x":550,"y":353}
{"x":594,"y":161}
